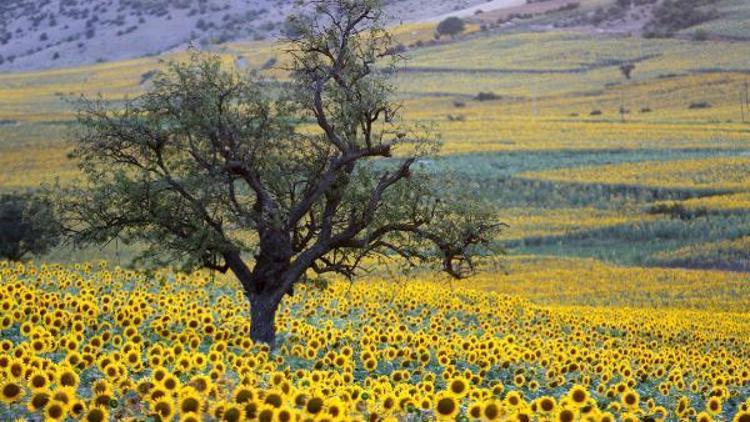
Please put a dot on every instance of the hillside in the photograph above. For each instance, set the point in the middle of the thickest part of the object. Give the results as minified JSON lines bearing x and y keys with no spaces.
{"x":550,"y":146}
{"x":61,"y":33}
{"x":64,"y":33}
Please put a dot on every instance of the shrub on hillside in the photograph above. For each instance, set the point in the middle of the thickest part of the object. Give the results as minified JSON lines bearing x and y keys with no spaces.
{"x":672,"y":16}
{"x":451,"y":26}
{"x":678,"y":211}
{"x":699,"y":105}
{"x":700,"y":35}
{"x":487,"y":96}
{"x":27,"y":226}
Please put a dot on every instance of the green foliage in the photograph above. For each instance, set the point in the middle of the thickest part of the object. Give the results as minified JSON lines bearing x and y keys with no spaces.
{"x":27,"y":226}
{"x":154,"y":174}
{"x":671,"y":16}
{"x":451,"y":26}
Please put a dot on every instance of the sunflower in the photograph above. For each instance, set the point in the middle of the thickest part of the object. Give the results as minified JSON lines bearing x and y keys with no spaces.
{"x":446,"y":406}
{"x":704,"y":417}
{"x":163,"y":408}
{"x":159,"y":373}
{"x":201,"y":383}
{"x":170,"y":383}
{"x":39,"y":399}
{"x":65,"y":395}
{"x":743,"y":416}
{"x":101,"y":386}
{"x":578,"y":395}
{"x":233,"y":413}
{"x":97,"y":414}
{"x":144,"y":386}
{"x":513,"y":398}
{"x":55,"y":411}
{"x":475,"y":411}
{"x":491,"y":410}
{"x":266,"y":414}
{"x":244,"y":394}
{"x":76,"y":409}
{"x":189,"y":401}
{"x":566,"y":415}
{"x":388,"y":402}
{"x":630,"y":399}
{"x":16,"y":368}
{"x":606,"y":417}
{"x":284,"y":414}
{"x":522,"y":416}
{"x":546,"y":404}
{"x":38,"y":380}
{"x":274,"y":398}
{"x":335,"y":407}
{"x":251,"y":409}
{"x":458,"y":386}
{"x":371,"y":364}
{"x":103,"y":399}
{"x":714,"y":405}
{"x":314,"y":405}
{"x":190,"y":417}
{"x":629,"y":417}
{"x":11,"y":392}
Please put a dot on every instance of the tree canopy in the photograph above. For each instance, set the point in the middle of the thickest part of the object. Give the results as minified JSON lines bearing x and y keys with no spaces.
{"x":274,"y":180}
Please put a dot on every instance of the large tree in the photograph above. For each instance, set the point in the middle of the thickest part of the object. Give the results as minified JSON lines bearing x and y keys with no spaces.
{"x":275,"y":180}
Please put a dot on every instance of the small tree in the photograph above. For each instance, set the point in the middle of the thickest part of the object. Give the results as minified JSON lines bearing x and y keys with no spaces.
{"x":27,"y":226}
{"x":627,"y":70}
{"x":451,"y":26}
{"x":209,"y":170}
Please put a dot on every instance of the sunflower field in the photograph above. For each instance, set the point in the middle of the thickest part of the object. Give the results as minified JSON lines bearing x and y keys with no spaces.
{"x":83,"y":343}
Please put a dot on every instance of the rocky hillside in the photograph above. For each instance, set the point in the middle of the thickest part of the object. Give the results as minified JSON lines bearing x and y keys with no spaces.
{"x":39,"y":34}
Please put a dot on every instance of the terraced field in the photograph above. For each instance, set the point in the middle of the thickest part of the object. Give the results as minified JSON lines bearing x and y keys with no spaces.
{"x":570,"y":172}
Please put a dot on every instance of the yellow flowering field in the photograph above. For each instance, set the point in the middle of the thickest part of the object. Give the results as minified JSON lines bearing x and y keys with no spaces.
{"x":28,"y":167}
{"x":82,"y":342}
{"x":528,"y":222}
{"x":738,"y":202}
{"x":717,"y":173}
{"x":575,"y":281}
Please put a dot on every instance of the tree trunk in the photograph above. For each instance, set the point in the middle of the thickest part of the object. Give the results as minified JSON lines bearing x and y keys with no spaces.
{"x":262,"y":318}
{"x":262,"y":287}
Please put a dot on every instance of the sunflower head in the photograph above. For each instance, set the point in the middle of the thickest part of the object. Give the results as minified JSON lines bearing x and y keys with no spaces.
{"x":446,"y":406}
{"x":55,"y":411}
{"x":163,"y":408}
{"x":67,"y":377}
{"x":97,"y":414}
{"x":11,"y":392}
{"x":39,"y":400}
{"x":38,"y":380}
